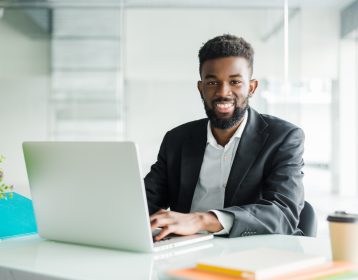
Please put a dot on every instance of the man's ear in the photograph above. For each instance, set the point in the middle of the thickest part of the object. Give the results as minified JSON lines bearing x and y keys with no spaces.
{"x":252,"y":87}
{"x":200,"y":89}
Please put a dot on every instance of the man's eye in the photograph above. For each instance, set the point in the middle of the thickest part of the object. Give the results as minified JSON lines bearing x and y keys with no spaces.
{"x":235,"y":82}
{"x":212,"y":83}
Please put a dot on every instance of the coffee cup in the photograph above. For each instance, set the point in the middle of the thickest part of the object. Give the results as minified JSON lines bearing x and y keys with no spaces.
{"x":343,"y":229}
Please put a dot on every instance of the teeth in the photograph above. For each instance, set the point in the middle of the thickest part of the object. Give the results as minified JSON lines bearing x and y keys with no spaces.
{"x":224,"y":105}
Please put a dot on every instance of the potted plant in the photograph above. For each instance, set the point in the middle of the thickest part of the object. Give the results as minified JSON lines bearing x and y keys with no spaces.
{"x":5,"y":190}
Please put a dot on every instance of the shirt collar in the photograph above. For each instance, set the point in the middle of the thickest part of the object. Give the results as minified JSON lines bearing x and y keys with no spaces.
{"x":238,"y":133}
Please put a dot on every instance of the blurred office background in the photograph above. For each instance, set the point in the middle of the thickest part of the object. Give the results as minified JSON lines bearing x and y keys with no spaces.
{"x":127,"y":70}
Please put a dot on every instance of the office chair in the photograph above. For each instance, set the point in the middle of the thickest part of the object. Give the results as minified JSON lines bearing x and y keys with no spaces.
{"x":308,"y":220}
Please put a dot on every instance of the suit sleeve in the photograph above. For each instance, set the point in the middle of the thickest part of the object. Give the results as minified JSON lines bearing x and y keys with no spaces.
{"x":156,"y":181}
{"x":278,"y":208}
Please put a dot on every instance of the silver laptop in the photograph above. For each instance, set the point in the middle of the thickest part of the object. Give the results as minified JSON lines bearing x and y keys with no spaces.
{"x":93,"y":193}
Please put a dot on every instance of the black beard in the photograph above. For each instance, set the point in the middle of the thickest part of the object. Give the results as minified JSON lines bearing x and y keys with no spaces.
{"x":222,"y":123}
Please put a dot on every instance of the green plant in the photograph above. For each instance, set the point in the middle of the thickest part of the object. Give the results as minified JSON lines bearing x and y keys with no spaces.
{"x":5,"y":190}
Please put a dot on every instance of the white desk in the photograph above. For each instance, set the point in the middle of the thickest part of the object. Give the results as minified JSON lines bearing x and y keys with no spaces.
{"x":32,"y":258}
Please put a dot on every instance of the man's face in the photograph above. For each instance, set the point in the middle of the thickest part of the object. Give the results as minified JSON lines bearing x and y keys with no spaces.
{"x":225,"y":89}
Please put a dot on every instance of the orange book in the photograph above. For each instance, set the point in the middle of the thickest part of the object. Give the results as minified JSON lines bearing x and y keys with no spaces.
{"x":197,"y":274}
{"x":260,"y":263}
{"x":318,"y":272}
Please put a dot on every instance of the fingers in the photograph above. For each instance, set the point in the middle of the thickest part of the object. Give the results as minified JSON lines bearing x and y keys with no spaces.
{"x":165,"y":220}
{"x":159,"y":222}
{"x":165,"y":232}
{"x":161,"y":218}
{"x":174,"y":222}
{"x":158,"y":214}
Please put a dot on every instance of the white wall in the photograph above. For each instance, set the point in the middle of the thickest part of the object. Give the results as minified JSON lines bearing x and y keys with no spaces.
{"x":23,"y":95}
{"x":320,"y":43}
{"x":164,"y":43}
{"x":161,"y":71}
{"x":162,"y":65}
{"x":348,"y":119}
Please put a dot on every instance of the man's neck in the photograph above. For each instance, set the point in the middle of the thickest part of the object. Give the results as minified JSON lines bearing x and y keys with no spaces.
{"x":223,"y":136}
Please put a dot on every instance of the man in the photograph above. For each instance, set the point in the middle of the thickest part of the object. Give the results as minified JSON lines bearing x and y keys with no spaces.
{"x":237,"y":172}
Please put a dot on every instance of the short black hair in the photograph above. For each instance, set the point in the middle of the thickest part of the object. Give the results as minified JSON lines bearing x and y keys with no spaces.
{"x":224,"y":46}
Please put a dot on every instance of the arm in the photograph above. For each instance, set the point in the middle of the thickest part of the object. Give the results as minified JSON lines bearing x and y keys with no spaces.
{"x":156,"y":182}
{"x":281,"y":200}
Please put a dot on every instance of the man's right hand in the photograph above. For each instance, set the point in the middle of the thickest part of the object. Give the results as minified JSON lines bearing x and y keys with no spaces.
{"x":184,"y":224}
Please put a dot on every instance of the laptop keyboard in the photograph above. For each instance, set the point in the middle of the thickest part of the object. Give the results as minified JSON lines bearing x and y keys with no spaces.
{"x":163,"y":239}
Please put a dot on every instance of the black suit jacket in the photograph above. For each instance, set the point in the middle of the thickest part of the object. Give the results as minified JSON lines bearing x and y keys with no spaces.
{"x":264,"y":192}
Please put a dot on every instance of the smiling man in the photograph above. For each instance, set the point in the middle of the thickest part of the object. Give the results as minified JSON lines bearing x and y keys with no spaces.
{"x":236,"y":173}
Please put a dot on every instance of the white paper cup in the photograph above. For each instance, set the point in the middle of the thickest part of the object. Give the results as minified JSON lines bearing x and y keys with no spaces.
{"x":343,"y":229}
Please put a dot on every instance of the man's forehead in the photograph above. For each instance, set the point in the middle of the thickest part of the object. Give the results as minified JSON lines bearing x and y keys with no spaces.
{"x":209,"y":76}
{"x":228,"y":66}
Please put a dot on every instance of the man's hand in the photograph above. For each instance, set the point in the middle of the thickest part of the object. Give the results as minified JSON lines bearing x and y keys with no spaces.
{"x":184,"y":224}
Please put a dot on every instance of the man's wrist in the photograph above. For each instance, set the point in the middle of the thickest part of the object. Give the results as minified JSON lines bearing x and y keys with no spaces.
{"x":209,"y":222}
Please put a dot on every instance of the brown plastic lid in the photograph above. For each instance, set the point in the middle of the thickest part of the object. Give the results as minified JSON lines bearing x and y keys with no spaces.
{"x":342,"y":217}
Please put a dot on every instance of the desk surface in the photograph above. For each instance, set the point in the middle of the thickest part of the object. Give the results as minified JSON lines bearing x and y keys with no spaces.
{"x":34,"y":258}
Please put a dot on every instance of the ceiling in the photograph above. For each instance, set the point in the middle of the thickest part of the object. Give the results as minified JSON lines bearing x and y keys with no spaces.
{"x":177,"y":3}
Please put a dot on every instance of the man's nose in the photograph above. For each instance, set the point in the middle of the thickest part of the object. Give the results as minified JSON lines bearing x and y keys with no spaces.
{"x":223,"y":89}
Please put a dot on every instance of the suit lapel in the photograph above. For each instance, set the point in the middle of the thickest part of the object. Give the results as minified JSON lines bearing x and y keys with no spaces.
{"x":252,"y":140}
{"x":192,"y":157}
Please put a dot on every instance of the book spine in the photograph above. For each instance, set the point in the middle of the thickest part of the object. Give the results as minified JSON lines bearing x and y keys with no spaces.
{"x":234,"y":272}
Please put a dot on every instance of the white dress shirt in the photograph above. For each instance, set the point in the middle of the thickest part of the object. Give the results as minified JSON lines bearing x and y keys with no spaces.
{"x":214,"y":173}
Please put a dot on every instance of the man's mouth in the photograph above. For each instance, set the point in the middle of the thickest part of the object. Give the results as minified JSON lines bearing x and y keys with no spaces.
{"x":224,"y":107}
